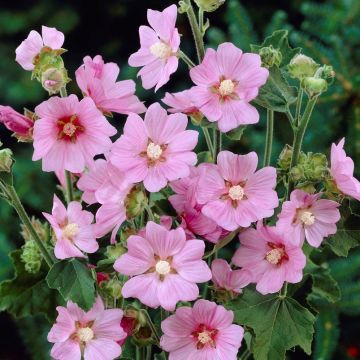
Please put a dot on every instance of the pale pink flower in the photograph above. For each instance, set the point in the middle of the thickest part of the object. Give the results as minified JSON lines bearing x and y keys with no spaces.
{"x":308,"y":216}
{"x":224,"y":278}
{"x":181,"y":102}
{"x":342,"y":171}
{"x":92,"y":335}
{"x":19,"y":124}
{"x":158,"y":48}
{"x":98,"y":81}
{"x":27,"y":51}
{"x":234,"y":194}
{"x":165,"y":264}
{"x":226,"y":81}
{"x":203,"y":332}
{"x":156,"y":150}
{"x":271,"y":258}
{"x":73,"y":230}
{"x":70,"y":133}
{"x":185,"y":203}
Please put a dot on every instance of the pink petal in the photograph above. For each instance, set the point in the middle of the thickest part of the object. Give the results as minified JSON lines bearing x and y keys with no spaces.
{"x":102,"y":349}
{"x":68,"y":350}
{"x":52,"y":37}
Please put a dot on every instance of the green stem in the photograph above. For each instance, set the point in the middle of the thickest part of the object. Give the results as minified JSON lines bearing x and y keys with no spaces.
{"x":283,"y":291}
{"x":196,"y":31}
{"x":298,"y":106}
{"x":215,"y":143}
{"x":138,"y":353}
{"x":69,"y":187}
{"x":17,"y":205}
{"x":151,"y":325}
{"x":299,"y":133}
{"x":149,"y":212}
{"x":222,"y":243}
{"x":220,"y":141}
{"x":63,"y":92}
{"x":245,"y":355}
{"x":208,"y":140}
{"x":148,"y":352}
{"x":186,"y":59}
{"x":269,"y":137}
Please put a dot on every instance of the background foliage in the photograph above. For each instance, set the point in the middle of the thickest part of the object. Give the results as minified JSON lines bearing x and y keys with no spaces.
{"x":329,"y":31}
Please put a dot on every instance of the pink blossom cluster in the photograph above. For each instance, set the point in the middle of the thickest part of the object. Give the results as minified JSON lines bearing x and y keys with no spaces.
{"x":165,"y":264}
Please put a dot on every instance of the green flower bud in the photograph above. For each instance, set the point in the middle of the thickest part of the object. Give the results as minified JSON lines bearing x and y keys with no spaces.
{"x":115,"y":251}
{"x":40,"y":228}
{"x":270,"y":56}
{"x":53,"y":79}
{"x":31,"y":257}
{"x":6,"y":160}
{"x":209,"y":5}
{"x":314,"y":86}
{"x":327,"y":72}
{"x":297,"y":173}
{"x":112,"y":288}
{"x":302,"y":66}
{"x":307,"y":187}
{"x":318,"y":160}
{"x":135,"y":202}
{"x":284,"y":160}
{"x":302,"y":158}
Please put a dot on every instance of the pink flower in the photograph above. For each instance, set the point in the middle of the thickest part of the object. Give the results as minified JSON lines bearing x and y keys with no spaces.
{"x":224,"y":278}
{"x":98,"y":80}
{"x":203,"y":332}
{"x":28,"y":50}
{"x":272,"y":259}
{"x":156,"y":150}
{"x":185,"y":203}
{"x":91,"y":335}
{"x":226,"y":81}
{"x":73,"y":229}
{"x":70,"y":133}
{"x":165,"y":264}
{"x":234,"y":194}
{"x":181,"y":102}
{"x":159,"y":45}
{"x":342,"y":171}
{"x":19,"y":124}
{"x":308,"y":216}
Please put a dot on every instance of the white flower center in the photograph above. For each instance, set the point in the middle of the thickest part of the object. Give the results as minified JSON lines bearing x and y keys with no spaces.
{"x":70,"y":230}
{"x":307,"y":217}
{"x":69,"y":129}
{"x":153,"y":151}
{"x":162,"y":267}
{"x":85,"y":334}
{"x":204,"y":337}
{"x":236,"y":192}
{"x":161,"y":50}
{"x":226,"y":87}
{"x":274,"y":256}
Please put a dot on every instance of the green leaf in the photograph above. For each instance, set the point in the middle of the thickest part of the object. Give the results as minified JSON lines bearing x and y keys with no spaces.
{"x":204,"y":157}
{"x":280,"y":41}
{"x":343,"y":241}
{"x":27,"y":294}
{"x":276,"y":94}
{"x":279,"y":324}
{"x":236,"y":134}
{"x":74,"y":281}
{"x":128,"y":350}
{"x":161,"y":356}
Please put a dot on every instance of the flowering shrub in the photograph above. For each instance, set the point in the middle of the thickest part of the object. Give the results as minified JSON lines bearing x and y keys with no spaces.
{"x":161,"y":251}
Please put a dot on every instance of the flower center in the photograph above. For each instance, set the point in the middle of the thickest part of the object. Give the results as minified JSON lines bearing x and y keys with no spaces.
{"x":69,"y":128}
{"x":85,"y":334}
{"x":236,"y":192}
{"x":161,"y":50}
{"x":307,"y":217}
{"x":226,"y":87}
{"x":205,"y":336}
{"x":153,"y":151}
{"x":70,"y":230}
{"x":162,"y":267}
{"x":277,"y":254}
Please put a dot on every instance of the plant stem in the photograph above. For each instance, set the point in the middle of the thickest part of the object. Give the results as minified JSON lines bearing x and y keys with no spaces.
{"x":222,"y":243}
{"x":196,"y":31}
{"x":215,"y":143}
{"x":208,"y":140}
{"x":269,"y":137}
{"x":220,"y":141}
{"x":69,"y":187}
{"x":151,"y":325}
{"x":148,"y":352}
{"x":138,"y":353}
{"x":17,"y":205}
{"x":245,"y":355}
{"x":299,"y":133}
{"x":186,"y":59}
{"x":298,"y":106}
{"x":63,"y":92}
{"x":149,"y":212}
{"x":283,"y":291}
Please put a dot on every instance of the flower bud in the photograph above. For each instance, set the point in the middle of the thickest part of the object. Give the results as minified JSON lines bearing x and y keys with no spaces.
{"x":19,"y":124}
{"x":6,"y":160}
{"x":284,"y":160}
{"x":135,"y":202}
{"x":113,"y":252}
{"x":112,"y":288}
{"x":40,"y":228}
{"x":297,"y":173}
{"x":314,"y":86}
{"x":270,"y":56}
{"x":302,"y":66}
{"x":327,"y":72}
{"x":53,"y":79}
{"x":307,"y":187}
{"x":31,"y":257}
{"x":209,"y":5}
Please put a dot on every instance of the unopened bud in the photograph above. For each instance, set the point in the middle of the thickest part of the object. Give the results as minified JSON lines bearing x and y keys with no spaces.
{"x":307,"y":187}
{"x":112,"y":288}
{"x":297,"y":173}
{"x":54,"y":79}
{"x":285,"y":157}
{"x":270,"y":56}
{"x":40,"y":228}
{"x":113,"y":252}
{"x":6,"y":160}
{"x":31,"y":257}
{"x":209,"y":5}
{"x":327,"y":72}
{"x":302,"y":66}
{"x":135,"y":202}
{"x":314,"y":86}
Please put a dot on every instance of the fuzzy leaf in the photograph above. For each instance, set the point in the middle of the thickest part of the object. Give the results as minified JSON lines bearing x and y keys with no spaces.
{"x":279,"y":324}
{"x":27,"y":294}
{"x":343,"y":241}
{"x":74,"y":281}
{"x":276,"y":94}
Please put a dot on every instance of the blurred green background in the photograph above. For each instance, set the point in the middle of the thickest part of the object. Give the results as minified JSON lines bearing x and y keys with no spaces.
{"x":329,"y":31}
